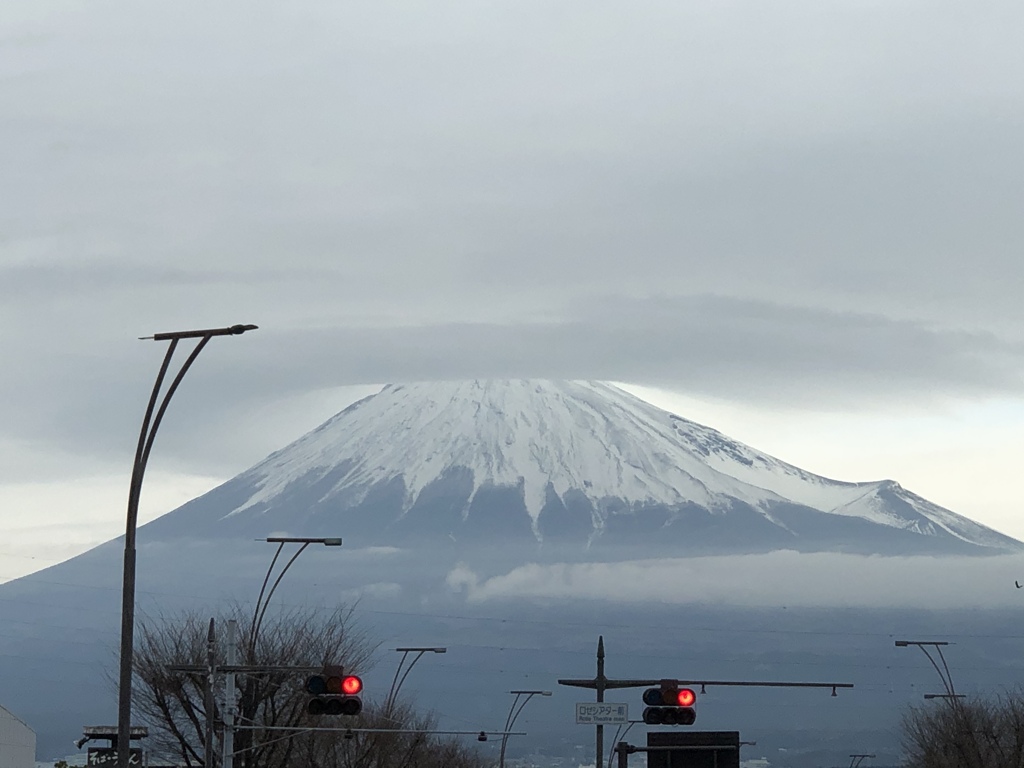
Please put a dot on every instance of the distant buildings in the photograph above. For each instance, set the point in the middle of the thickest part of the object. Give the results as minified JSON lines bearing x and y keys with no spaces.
{"x":17,"y":742}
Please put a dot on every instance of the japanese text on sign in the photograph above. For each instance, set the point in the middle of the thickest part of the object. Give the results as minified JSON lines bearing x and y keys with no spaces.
{"x":603,"y":713}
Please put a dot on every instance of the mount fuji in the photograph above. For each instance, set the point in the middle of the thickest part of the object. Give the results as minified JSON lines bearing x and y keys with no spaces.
{"x":525,"y":518}
{"x":566,"y":469}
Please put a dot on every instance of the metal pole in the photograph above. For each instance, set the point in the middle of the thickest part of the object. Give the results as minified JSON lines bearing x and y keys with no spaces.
{"x":508,"y":726}
{"x":396,"y":682}
{"x":142,"y":451}
{"x":623,"y":751}
{"x":228,"y":743}
{"x":513,"y":715}
{"x":124,"y":701}
{"x":389,"y":701}
{"x":209,"y":705}
{"x":247,"y":708}
{"x":600,"y":680}
{"x":943,"y":672}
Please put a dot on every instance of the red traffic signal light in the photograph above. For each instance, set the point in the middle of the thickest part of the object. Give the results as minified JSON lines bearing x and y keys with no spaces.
{"x":669,"y":705}
{"x":335,"y":694}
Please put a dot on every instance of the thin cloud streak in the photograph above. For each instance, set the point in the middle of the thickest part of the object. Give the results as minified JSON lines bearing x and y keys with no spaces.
{"x":780,"y":579}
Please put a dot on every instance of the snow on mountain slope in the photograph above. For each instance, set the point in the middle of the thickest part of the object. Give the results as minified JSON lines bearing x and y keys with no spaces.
{"x":573,"y":435}
{"x":587,"y":438}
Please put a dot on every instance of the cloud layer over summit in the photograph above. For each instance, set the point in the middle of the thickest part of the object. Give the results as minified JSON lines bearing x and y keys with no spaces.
{"x":780,"y":206}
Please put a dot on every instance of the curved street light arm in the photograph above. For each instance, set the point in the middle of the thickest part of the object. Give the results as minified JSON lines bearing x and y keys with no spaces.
{"x":617,"y":738}
{"x":135,"y":486}
{"x":949,"y":676}
{"x":259,"y":600}
{"x":167,"y":400}
{"x":394,"y":682}
{"x":393,"y":692}
{"x":938,"y":670}
{"x":270,"y":594}
{"x":512,"y":714}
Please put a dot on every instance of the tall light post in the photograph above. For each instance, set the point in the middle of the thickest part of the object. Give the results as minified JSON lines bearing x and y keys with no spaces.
{"x":513,"y":713}
{"x":259,"y":612}
{"x":150,"y":423}
{"x":263,"y":601}
{"x":944,"y":674}
{"x":856,"y":760}
{"x":396,"y":683}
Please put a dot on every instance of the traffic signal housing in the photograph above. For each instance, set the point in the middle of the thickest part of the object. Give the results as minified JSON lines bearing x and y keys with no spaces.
{"x":334,"y":693}
{"x":670,"y":705}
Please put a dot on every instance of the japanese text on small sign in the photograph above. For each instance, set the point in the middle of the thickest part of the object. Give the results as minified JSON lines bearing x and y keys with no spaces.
{"x":603,"y":713}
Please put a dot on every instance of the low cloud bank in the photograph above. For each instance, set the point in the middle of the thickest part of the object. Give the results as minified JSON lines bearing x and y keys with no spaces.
{"x":784,"y":578}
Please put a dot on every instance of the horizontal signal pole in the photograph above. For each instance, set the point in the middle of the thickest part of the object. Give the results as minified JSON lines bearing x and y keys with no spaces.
{"x":638,"y":683}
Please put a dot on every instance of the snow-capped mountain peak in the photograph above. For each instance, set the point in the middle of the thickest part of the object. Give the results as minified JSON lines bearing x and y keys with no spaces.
{"x":562,"y":444}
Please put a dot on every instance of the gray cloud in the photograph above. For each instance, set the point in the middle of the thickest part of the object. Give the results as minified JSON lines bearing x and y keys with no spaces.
{"x":801,"y":204}
{"x":750,"y":351}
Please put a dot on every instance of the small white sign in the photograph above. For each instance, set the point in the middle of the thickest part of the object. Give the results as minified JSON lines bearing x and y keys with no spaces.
{"x":601,"y":713}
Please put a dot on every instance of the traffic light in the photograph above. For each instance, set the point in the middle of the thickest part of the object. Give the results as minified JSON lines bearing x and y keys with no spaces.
{"x":334,"y":693}
{"x":670,"y":705}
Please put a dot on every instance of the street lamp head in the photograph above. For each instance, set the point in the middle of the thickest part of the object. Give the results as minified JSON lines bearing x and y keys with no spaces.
{"x":905,"y":643}
{"x":327,"y":542}
{"x":233,"y":330}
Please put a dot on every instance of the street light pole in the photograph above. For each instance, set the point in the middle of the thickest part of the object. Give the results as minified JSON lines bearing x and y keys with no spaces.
{"x":263,"y":601}
{"x":513,"y":713}
{"x":259,"y":612}
{"x":944,"y":674}
{"x":396,"y":684}
{"x":150,"y":423}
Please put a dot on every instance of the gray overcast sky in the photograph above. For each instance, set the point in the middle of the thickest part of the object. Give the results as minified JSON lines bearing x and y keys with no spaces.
{"x":799,"y":220}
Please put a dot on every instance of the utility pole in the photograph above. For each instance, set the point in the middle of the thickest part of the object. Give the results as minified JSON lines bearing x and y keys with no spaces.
{"x":600,"y":683}
{"x":210,"y":672}
{"x":209,"y":705}
{"x":228,"y":742}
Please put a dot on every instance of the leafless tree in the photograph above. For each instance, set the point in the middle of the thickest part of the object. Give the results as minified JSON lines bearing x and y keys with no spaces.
{"x":172,"y":703}
{"x":966,"y":733}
